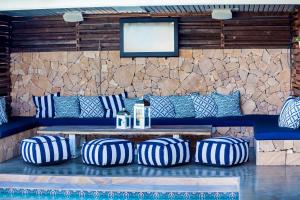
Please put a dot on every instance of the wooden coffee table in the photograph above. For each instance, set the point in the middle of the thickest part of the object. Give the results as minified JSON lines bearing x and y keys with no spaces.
{"x":156,"y":130}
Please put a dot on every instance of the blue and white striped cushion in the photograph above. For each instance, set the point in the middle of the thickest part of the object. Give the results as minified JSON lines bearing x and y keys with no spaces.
{"x":45,"y":150}
{"x":113,"y":104}
{"x":108,"y":152}
{"x":222,"y":151}
{"x":44,"y":105}
{"x":163,"y":152}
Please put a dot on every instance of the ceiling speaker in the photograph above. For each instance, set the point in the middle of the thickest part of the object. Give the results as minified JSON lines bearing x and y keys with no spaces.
{"x":73,"y":16}
{"x":221,"y":14}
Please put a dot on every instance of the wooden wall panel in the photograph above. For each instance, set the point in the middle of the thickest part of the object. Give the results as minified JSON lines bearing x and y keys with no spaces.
{"x":5,"y":82}
{"x":43,"y":34}
{"x":295,"y":53}
{"x":102,"y":32}
{"x":257,"y":32}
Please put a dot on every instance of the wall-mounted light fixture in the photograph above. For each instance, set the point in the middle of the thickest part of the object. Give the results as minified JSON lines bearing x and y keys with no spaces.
{"x":221,"y":14}
{"x":73,"y":16}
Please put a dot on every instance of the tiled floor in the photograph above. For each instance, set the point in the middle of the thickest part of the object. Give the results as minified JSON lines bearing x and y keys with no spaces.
{"x":257,"y":182}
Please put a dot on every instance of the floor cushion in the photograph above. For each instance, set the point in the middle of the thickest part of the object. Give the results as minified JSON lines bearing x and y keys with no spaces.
{"x":163,"y":152}
{"x":108,"y":152}
{"x":222,"y":151}
{"x":45,"y":150}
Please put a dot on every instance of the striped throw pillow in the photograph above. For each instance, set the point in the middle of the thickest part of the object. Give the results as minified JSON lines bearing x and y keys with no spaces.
{"x":108,"y":152}
{"x":222,"y":151}
{"x":113,"y":104}
{"x":41,"y":150}
{"x":45,"y":105}
{"x":163,"y":152}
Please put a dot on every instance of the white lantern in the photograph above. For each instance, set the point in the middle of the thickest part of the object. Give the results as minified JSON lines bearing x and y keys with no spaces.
{"x":123,"y":120}
{"x":141,"y":115}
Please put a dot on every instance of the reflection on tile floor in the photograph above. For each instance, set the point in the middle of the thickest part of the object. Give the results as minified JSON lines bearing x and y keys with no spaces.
{"x":256,"y":182}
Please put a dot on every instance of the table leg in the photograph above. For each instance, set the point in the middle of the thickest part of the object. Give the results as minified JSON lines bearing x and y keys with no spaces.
{"x":73,"y":145}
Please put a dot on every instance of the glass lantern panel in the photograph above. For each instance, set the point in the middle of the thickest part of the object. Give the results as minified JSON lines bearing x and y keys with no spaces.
{"x":147,"y":119}
{"x":119,"y":121}
{"x":127,"y":122}
{"x":139,"y":116}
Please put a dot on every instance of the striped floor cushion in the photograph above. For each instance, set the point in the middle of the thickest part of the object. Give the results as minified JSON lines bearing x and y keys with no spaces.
{"x":41,"y":150}
{"x":222,"y":151}
{"x":163,"y":152}
{"x":108,"y":152}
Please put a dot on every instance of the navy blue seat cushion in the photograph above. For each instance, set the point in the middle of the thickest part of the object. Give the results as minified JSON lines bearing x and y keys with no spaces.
{"x":269,"y":130}
{"x":76,"y":121}
{"x":244,"y":120}
{"x":16,"y":125}
{"x":265,"y":126}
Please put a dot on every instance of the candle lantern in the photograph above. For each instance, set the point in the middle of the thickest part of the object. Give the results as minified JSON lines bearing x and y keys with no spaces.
{"x":123,"y":119}
{"x":141,"y":114}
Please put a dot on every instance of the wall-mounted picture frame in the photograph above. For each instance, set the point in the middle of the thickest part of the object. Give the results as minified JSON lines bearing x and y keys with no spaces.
{"x":149,"y":37}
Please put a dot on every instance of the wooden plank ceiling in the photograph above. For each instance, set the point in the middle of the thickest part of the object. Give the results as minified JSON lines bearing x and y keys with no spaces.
{"x":245,"y":30}
{"x":195,"y":9}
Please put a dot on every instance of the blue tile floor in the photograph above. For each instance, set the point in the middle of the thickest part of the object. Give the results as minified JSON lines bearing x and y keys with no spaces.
{"x":256,"y":182}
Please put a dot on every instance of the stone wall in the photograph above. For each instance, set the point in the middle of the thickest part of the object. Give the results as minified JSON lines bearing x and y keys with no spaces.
{"x":278,"y":152}
{"x":261,"y":75}
{"x":10,"y":146}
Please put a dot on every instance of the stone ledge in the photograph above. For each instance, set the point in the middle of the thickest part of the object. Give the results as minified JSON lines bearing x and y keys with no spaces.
{"x":10,"y":146}
{"x":278,"y":152}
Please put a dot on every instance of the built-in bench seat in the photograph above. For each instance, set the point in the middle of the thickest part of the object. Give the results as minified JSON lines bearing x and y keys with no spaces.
{"x":269,"y":130}
{"x":276,"y":145}
{"x":266,"y":127}
{"x":17,"y":125}
{"x":12,"y":133}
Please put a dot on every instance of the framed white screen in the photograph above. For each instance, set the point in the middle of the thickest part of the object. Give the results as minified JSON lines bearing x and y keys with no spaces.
{"x":149,"y":37}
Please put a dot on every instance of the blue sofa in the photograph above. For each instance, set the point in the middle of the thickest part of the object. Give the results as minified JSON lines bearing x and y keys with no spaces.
{"x":265,"y":126}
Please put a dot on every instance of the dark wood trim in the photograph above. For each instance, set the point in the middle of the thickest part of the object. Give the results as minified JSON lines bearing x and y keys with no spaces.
{"x":245,"y":30}
{"x":295,"y":53}
{"x":5,"y":44}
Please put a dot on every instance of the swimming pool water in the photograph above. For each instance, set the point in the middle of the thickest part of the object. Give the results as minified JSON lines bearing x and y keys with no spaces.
{"x":35,"y":194}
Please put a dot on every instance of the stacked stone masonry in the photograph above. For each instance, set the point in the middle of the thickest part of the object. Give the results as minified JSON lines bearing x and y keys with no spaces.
{"x":278,"y":152}
{"x":10,"y":146}
{"x":261,"y":75}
